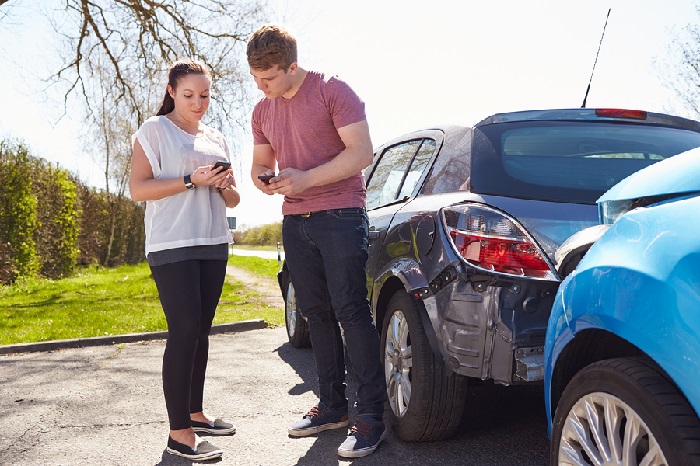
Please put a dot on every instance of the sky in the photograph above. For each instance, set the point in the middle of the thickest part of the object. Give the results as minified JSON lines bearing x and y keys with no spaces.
{"x":414,"y":63}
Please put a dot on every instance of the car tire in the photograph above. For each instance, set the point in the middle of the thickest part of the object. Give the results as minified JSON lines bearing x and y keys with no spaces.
{"x":614,"y":402}
{"x":297,"y":327}
{"x":425,"y":402}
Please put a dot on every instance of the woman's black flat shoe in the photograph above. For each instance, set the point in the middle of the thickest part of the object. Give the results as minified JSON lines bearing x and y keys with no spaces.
{"x":218,"y":427}
{"x":203,"y":451}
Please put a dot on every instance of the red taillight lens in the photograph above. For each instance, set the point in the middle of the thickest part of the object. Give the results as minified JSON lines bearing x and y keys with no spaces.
{"x":489,"y":240}
{"x":621,"y":113}
{"x":503,"y":255}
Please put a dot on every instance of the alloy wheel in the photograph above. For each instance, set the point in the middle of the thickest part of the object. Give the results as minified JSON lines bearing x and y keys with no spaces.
{"x":398,"y":362}
{"x":602,"y":429}
{"x":290,"y":308}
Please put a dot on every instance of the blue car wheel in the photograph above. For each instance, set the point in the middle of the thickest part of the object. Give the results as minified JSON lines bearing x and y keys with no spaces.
{"x":624,"y":411}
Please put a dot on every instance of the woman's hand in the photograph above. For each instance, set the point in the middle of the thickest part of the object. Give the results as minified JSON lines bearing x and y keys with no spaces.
{"x":227,"y":181}
{"x":205,"y":176}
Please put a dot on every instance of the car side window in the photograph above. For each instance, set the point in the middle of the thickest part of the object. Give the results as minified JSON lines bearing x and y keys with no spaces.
{"x":420,"y":161}
{"x":388,"y":173}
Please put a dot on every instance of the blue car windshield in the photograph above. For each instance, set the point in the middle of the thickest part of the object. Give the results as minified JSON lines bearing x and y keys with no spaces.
{"x":567,"y":161}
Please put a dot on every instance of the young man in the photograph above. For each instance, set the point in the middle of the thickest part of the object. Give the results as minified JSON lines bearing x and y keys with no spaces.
{"x":313,"y":127}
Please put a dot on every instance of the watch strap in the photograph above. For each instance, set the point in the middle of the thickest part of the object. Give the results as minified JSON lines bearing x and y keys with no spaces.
{"x":188,"y":182}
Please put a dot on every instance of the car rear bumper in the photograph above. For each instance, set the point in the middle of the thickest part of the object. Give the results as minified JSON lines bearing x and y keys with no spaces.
{"x":493,"y":331}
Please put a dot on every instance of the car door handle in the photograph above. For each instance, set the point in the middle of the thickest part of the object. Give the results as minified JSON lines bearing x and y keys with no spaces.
{"x":373,"y":234}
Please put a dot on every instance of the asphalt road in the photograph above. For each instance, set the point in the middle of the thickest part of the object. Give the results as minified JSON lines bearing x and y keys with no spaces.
{"x":279,"y":255}
{"x":103,"y":405}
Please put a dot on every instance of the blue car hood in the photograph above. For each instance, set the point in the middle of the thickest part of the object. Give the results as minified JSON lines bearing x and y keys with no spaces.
{"x":676,"y":175}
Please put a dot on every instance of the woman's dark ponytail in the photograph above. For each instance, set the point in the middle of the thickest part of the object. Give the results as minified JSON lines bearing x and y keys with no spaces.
{"x":179,"y":69}
{"x":168,"y":104}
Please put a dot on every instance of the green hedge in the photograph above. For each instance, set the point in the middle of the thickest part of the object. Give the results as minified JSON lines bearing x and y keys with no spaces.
{"x":269,"y":234}
{"x":18,"y":213}
{"x":50,"y":221}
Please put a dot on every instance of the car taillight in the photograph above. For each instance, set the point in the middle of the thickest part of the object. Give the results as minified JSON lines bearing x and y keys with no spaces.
{"x":490,"y":240}
{"x":621,"y":113}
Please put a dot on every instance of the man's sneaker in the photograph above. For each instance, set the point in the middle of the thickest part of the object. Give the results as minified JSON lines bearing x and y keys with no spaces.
{"x":218,"y":427}
{"x":363,"y":438}
{"x":320,"y":418}
{"x":203,"y":451}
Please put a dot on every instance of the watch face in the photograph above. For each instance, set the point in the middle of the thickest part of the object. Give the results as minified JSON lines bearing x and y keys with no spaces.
{"x":188,"y":182}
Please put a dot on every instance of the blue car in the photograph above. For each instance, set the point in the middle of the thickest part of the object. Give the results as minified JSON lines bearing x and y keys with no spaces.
{"x":622,"y":348}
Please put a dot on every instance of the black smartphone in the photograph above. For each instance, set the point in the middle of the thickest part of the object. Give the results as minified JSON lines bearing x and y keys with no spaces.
{"x":266,"y":178}
{"x":222,"y":163}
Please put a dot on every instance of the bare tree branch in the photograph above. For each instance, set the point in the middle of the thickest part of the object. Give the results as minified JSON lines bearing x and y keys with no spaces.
{"x":680,"y":72}
{"x":115,"y":57}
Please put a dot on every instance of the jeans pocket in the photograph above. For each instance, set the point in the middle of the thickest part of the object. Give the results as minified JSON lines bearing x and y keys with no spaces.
{"x":355,"y":213}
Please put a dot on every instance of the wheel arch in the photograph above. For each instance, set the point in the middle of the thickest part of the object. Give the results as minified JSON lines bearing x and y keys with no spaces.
{"x":398,"y":282}
{"x":596,"y":317}
{"x":587,"y":347}
{"x":283,"y":280}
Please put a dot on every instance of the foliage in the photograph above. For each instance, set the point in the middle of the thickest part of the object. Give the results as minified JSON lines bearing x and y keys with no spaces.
{"x":106,"y":301}
{"x":111,"y":229}
{"x":18,"y":213}
{"x":49,"y":220}
{"x":57,"y":235}
{"x":269,"y":234}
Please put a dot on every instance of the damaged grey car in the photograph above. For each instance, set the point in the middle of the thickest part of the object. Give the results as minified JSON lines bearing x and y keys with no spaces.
{"x":465,"y":258}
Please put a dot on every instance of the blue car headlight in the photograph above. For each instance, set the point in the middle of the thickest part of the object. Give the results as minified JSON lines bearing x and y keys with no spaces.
{"x":610,"y":211}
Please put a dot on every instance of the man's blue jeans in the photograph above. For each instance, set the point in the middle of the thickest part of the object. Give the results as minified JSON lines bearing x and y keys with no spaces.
{"x":326,"y":254}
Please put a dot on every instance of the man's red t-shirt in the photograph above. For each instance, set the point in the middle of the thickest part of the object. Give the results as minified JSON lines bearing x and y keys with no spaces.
{"x":303,"y":132}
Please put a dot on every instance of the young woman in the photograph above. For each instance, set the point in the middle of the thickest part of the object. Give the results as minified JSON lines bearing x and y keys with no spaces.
{"x":174,"y":169}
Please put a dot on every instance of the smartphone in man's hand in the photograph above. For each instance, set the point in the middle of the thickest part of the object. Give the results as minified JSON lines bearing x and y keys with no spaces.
{"x":266,"y":178}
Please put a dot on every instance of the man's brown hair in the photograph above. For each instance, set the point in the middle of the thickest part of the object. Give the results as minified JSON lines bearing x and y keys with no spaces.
{"x":269,"y":46}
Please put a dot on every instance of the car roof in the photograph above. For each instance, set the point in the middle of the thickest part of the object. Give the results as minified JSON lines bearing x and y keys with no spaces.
{"x":565,"y":114}
{"x":593,"y":114}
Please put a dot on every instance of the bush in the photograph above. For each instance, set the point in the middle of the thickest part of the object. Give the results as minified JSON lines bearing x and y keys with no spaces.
{"x":70,"y":224}
{"x":18,"y":213}
{"x":269,"y":234}
{"x":101,"y":213}
{"x":58,"y":215}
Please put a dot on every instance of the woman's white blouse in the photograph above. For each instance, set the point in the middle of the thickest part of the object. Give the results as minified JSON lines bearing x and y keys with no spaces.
{"x":193,"y":217}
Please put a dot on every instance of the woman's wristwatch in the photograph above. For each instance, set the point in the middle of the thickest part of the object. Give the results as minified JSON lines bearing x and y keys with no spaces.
{"x":188,"y":182}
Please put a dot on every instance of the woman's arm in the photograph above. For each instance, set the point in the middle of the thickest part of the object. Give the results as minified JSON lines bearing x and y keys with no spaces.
{"x":228,"y":190}
{"x":144,"y":187}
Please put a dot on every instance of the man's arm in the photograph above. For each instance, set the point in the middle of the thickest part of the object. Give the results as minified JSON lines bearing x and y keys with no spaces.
{"x":356,"y":156}
{"x":264,"y":163}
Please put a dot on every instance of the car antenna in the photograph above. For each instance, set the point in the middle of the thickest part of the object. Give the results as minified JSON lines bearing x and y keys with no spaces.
{"x":596,"y":59}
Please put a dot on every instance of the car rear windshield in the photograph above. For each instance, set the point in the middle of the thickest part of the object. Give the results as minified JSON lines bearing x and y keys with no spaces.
{"x":567,"y":161}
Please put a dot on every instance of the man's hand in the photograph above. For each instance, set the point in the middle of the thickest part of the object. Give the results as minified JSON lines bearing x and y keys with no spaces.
{"x":264,"y":186}
{"x":289,"y":182}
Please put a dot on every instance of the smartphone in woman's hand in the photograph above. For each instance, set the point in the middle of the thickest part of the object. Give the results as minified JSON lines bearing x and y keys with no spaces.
{"x":222,"y":163}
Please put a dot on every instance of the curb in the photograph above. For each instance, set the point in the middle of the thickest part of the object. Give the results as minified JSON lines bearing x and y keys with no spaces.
{"x":126,"y":338}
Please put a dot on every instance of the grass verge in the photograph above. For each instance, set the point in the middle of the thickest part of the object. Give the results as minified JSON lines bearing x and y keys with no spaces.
{"x":114,"y":301}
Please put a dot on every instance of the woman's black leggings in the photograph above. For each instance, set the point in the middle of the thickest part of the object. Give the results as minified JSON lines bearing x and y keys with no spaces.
{"x":189,"y":292}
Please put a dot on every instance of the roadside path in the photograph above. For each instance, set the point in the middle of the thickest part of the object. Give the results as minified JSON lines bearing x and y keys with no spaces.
{"x":267,"y":287}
